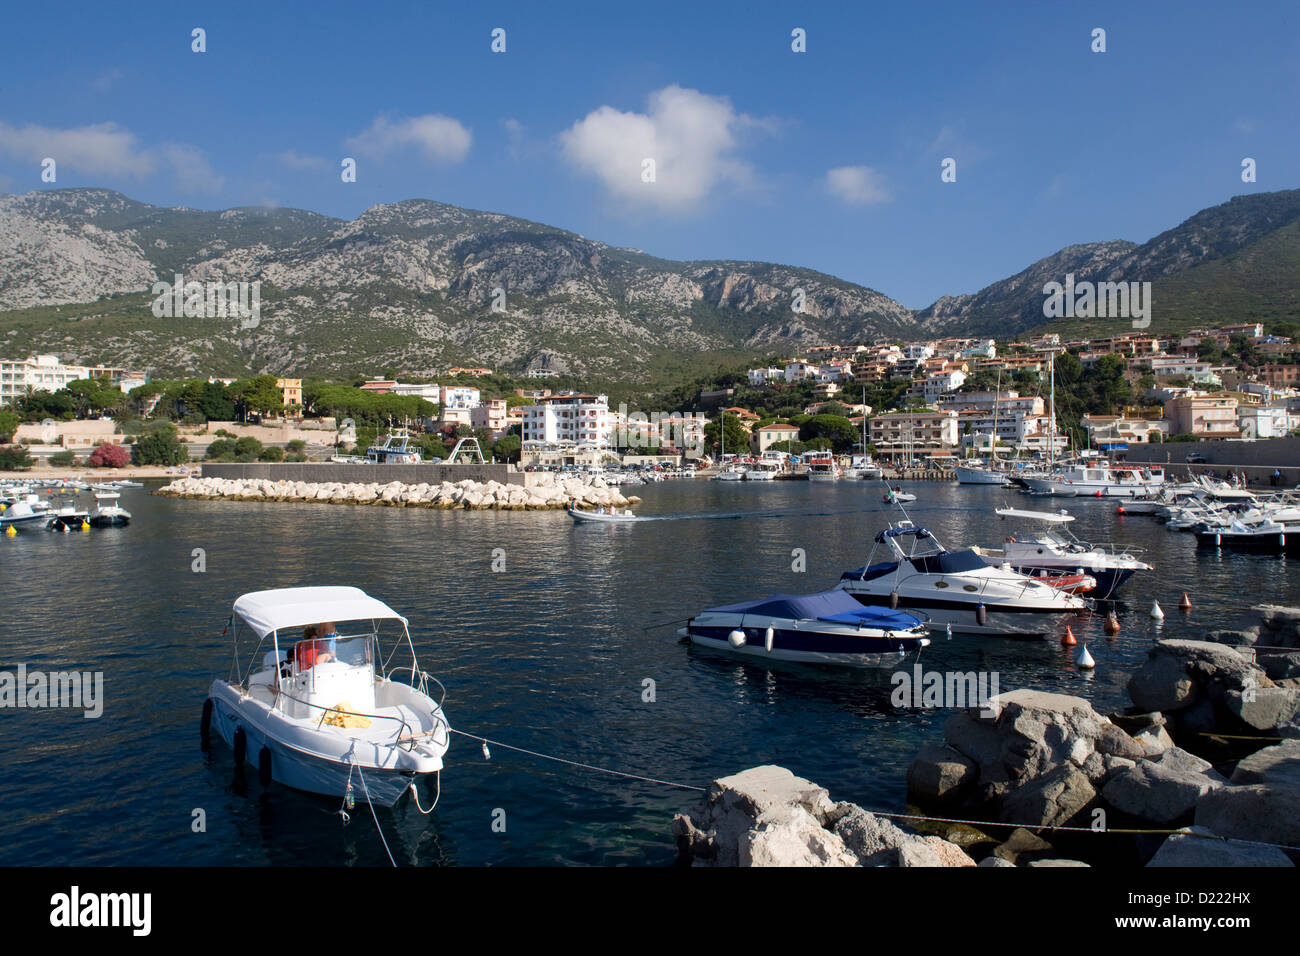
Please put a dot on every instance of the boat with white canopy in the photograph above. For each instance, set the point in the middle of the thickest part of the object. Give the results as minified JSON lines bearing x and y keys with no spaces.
{"x":324,"y":712}
{"x":1053,"y":548}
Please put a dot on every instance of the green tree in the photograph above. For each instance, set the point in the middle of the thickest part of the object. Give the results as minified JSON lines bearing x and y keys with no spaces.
{"x":737,"y":437}
{"x":159,"y":444}
{"x":14,"y":458}
{"x":272,"y":453}
{"x":248,"y":448}
{"x":9,"y":422}
{"x":838,"y":432}
{"x":507,"y":448}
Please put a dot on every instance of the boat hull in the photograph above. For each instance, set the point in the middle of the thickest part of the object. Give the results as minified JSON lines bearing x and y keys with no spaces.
{"x":964,"y":617}
{"x":805,"y":646}
{"x":316,"y":762}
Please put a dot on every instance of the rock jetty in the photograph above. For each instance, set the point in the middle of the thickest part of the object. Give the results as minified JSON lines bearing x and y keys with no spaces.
{"x":1205,"y":764}
{"x":766,"y":816}
{"x":544,"y":492}
{"x":1210,"y":747}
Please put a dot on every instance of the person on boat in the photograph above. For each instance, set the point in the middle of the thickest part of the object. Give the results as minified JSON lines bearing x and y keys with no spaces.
{"x":317,"y":645}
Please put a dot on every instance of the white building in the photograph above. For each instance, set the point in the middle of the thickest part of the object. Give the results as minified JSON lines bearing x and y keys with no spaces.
{"x":798,"y":370}
{"x":1263,"y":421}
{"x":45,"y":373}
{"x":765,"y":376}
{"x":430,"y":393}
{"x":574,"y":419}
{"x":458,"y":397}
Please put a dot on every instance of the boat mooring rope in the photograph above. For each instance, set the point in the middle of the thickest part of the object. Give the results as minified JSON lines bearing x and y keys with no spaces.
{"x":370,"y":803}
{"x":574,"y":763}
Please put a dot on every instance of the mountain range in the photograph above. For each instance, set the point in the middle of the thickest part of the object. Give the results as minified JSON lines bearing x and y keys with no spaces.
{"x":419,"y":286}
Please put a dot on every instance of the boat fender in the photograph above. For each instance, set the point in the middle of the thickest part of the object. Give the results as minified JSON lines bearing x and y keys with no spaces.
{"x":241,"y":746}
{"x":893,"y":600}
{"x":981,"y":614}
{"x":205,"y":728}
{"x":737,"y":638}
{"x":264,"y":766}
{"x":769,"y":637}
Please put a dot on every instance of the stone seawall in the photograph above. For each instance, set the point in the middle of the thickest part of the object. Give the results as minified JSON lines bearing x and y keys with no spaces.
{"x":329,"y":472}
{"x":543,"y":492}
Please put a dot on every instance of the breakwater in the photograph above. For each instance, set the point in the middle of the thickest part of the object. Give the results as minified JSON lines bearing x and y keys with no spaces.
{"x":327,"y":472}
{"x":542,"y":492}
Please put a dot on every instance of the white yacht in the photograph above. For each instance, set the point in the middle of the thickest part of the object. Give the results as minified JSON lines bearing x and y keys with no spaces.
{"x":863,"y":468}
{"x":979,"y":473}
{"x":1051,"y":547}
{"x":822,"y":467}
{"x":957,"y":588}
{"x":326,"y":713}
{"x":1100,"y":479}
{"x":108,"y":513}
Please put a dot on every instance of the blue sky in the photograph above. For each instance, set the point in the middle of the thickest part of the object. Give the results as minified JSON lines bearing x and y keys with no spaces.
{"x":828,"y":159}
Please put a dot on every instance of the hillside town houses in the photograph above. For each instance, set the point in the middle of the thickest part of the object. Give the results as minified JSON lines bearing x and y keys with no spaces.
{"x":947,"y":403}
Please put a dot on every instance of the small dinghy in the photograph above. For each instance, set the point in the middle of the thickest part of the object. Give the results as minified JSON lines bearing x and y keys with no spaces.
{"x":897,"y":494}
{"x":830,"y":627}
{"x":605,"y":517}
{"x":325,"y":713}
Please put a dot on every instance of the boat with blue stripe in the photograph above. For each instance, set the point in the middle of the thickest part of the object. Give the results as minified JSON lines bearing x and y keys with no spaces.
{"x":830,"y":627}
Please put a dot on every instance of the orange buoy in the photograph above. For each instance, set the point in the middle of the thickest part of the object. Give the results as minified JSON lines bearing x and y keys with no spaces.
{"x":1068,"y":640}
{"x":1119,"y":510}
{"x":1112,"y":624}
{"x":1186,"y":602}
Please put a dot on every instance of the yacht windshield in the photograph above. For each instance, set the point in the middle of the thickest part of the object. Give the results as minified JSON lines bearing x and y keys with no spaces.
{"x":949,"y":562}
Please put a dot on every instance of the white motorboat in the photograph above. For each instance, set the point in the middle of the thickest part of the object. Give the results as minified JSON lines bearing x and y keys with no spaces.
{"x":765,"y":469}
{"x":395,"y":449}
{"x":979,"y":474}
{"x":325,"y":713}
{"x":27,"y":512}
{"x":862,"y":468}
{"x":603,"y":517}
{"x":734,"y":471}
{"x":827,"y":628}
{"x":1255,"y":533}
{"x":957,"y":588}
{"x":1051,"y":547}
{"x":822,"y":467}
{"x":1100,"y":479}
{"x":895,"y":495}
{"x":108,"y":513}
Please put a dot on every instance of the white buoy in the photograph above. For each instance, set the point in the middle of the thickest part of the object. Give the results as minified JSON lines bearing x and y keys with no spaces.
{"x":948,"y":627}
{"x":1084,"y":659}
{"x":769,"y":637}
{"x":737,"y":638}
{"x":1156,"y":613}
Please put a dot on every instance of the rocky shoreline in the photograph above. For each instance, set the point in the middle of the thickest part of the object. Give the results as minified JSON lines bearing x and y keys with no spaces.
{"x":545,"y":492}
{"x":1206,"y":762}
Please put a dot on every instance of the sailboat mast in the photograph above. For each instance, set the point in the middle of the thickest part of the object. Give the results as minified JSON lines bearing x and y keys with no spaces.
{"x":1051,"y":424}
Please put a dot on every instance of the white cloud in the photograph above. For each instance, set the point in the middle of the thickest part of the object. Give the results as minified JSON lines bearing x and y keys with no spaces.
{"x":859,"y":185}
{"x":295,"y":160}
{"x":100,"y":149}
{"x":691,"y":136}
{"x":193,"y":172}
{"x":440,"y":139}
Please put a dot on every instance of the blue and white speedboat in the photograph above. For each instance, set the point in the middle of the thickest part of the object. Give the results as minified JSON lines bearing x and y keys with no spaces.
{"x":826,"y":628}
{"x":957,"y":590}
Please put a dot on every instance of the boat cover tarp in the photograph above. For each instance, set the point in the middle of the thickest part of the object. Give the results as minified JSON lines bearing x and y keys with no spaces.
{"x":834,"y":605}
{"x":275,"y":610}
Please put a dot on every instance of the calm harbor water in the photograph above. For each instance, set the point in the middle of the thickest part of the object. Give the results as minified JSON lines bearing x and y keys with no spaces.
{"x":549,"y":655}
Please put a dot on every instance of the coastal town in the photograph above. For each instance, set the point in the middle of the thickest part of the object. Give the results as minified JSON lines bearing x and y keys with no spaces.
{"x":937,"y":402}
